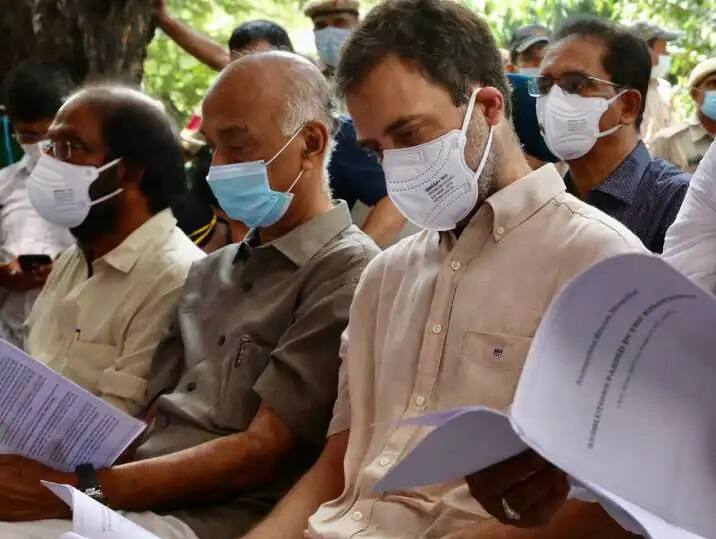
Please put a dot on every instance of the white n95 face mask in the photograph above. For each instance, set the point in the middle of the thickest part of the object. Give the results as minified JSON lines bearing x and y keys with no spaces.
{"x":59,"y":191}
{"x":431,"y":184}
{"x":570,"y":122}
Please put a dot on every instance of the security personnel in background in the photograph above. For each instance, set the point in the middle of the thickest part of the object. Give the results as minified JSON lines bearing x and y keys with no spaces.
{"x":687,"y":143}
{"x":657,"y":115}
{"x":527,"y":48}
{"x":355,"y":176}
{"x":333,"y":21}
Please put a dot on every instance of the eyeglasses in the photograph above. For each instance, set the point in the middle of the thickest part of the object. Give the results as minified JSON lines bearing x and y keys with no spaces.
{"x":571,"y":83}
{"x":62,"y":149}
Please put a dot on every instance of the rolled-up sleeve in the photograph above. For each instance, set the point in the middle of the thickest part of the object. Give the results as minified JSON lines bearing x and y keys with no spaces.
{"x":690,"y":244}
{"x":300,"y":381}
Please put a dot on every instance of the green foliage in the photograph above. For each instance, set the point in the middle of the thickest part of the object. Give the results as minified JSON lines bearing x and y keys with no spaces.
{"x":694,"y":18}
{"x":181,"y":81}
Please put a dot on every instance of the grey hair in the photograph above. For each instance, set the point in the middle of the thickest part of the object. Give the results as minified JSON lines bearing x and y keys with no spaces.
{"x":309,"y":98}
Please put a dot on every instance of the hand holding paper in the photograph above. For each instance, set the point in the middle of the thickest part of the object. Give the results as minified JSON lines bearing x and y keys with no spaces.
{"x":617,"y":391}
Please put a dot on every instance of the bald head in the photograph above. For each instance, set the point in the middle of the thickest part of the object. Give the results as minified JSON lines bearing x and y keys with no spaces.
{"x":276,"y":107}
{"x":285,"y":86}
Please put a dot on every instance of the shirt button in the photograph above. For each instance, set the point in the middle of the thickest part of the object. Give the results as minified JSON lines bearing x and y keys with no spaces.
{"x":420,"y":402}
{"x":385,"y":461}
{"x":437,"y":328}
{"x":191,"y":386}
{"x":357,"y":516}
{"x":455,"y":266}
{"x":222,"y":340}
{"x":500,"y":231}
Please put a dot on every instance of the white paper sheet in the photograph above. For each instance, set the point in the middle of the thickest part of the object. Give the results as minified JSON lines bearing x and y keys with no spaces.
{"x":92,"y":520}
{"x":51,"y":420}
{"x":463,"y":442}
{"x":617,"y":390}
{"x":72,"y":535}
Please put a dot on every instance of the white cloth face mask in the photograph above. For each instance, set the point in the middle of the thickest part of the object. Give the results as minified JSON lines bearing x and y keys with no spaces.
{"x":59,"y":191}
{"x":570,"y":122}
{"x":431,"y":184}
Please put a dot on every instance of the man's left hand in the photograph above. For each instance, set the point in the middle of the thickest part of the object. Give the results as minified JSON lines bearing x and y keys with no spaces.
{"x":527,"y":486}
{"x":23,"y":497}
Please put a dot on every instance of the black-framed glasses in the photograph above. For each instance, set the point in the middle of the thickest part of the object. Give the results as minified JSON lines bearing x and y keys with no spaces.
{"x":62,"y":149}
{"x":571,"y":83}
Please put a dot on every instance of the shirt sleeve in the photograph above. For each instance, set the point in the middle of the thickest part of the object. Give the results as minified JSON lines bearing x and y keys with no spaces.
{"x":341,"y":420}
{"x":690,"y":244}
{"x":125,"y":383}
{"x":299,"y":383}
{"x":167,"y":361}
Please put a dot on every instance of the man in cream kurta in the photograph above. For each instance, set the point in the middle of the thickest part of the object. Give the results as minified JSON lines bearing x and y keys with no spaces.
{"x":100,"y":329}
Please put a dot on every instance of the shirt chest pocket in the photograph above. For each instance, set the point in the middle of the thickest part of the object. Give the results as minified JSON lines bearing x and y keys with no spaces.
{"x":493,"y":363}
{"x":238,"y":402}
{"x":87,"y":361}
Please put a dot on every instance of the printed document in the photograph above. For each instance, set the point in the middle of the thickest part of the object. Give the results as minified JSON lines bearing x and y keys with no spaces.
{"x":92,"y":520}
{"x":47,"y":418}
{"x":617,"y":391}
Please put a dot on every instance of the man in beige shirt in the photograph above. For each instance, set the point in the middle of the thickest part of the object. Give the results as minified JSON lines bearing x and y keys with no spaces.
{"x":686,"y":144}
{"x":108,"y":299}
{"x":444,"y":318}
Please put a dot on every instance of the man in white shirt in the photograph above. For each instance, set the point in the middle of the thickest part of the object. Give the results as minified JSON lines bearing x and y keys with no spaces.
{"x":34,"y":93}
{"x":690,"y":244}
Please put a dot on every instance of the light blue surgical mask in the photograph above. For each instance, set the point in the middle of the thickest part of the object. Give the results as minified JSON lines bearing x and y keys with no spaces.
{"x":328,"y":44}
{"x":244,"y":193}
{"x":529,"y":71}
{"x":708,"y":107}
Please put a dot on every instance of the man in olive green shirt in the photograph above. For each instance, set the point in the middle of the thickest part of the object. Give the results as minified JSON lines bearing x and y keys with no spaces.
{"x":246,"y":380}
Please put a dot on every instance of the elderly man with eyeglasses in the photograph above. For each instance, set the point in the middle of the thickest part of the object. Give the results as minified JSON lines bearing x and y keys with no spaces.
{"x":590,"y":104}
{"x":112,"y":165}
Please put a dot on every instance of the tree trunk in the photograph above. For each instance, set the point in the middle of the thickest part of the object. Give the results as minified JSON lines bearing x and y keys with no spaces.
{"x":96,"y":40}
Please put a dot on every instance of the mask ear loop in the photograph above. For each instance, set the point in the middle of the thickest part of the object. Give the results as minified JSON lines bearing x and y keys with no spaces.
{"x":113,"y":193}
{"x":285,"y":145}
{"x":466,"y":122}
{"x":616,"y":128}
{"x":470,"y":108}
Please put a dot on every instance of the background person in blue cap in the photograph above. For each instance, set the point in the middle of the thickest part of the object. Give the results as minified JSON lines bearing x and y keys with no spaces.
{"x":527,"y":48}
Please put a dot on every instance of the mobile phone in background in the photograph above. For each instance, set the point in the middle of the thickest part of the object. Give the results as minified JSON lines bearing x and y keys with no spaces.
{"x":30,"y":262}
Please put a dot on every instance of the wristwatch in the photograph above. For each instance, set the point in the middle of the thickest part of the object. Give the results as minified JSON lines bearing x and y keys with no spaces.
{"x":89,"y":484}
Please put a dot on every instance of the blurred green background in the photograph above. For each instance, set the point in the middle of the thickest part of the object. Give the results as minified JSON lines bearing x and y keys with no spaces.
{"x":180,"y":81}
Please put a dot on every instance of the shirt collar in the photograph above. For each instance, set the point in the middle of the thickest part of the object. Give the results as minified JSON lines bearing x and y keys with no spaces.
{"x":519,"y":201}
{"x":302,"y":243}
{"x":153,"y":232}
{"x":623,"y":183}
{"x":698,"y":133}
